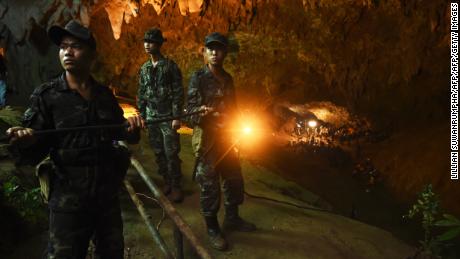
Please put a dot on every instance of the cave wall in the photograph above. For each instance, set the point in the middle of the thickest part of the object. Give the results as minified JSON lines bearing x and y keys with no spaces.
{"x":356,"y":53}
{"x":384,"y":59}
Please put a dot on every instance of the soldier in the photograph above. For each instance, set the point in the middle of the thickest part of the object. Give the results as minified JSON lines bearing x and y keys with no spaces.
{"x":211,"y":89}
{"x":160,"y":95}
{"x":84,"y":200}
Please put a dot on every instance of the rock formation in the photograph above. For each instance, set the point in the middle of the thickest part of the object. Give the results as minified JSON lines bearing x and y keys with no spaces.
{"x":383,"y":59}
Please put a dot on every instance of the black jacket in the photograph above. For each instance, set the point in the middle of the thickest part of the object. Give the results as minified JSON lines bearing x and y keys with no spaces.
{"x":53,"y":105}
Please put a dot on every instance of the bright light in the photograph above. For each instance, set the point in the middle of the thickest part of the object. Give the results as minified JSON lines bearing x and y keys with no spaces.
{"x":128,"y":110}
{"x":184,"y":130}
{"x":247,"y":130}
{"x":312,"y":123}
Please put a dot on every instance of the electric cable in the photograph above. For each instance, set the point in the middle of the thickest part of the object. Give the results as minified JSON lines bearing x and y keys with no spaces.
{"x":163,"y":216}
{"x":288,"y":203}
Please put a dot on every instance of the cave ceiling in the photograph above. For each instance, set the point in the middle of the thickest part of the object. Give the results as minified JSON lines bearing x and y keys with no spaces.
{"x":358,"y":54}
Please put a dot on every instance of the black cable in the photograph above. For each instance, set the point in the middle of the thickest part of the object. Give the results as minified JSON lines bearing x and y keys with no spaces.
{"x":163,"y":213}
{"x":100,"y":127}
{"x":289,"y":203}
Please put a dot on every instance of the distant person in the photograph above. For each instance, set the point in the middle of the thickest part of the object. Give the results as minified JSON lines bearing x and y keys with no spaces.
{"x":211,"y":89}
{"x":161,"y":95}
{"x":3,"y":75}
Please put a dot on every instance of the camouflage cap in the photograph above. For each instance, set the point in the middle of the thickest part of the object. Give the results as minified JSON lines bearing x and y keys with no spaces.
{"x":72,"y":28}
{"x":215,"y":37}
{"x":154,"y":35}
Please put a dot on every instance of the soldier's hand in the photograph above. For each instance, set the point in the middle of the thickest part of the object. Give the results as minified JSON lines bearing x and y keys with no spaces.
{"x":21,"y":136}
{"x":175,"y":124}
{"x":206,"y":110}
{"x":135,"y":122}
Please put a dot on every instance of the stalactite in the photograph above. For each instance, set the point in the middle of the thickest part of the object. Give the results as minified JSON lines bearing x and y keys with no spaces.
{"x":116,"y":11}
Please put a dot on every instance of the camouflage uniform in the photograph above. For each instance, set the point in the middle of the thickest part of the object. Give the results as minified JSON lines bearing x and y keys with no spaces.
{"x":84,"y":199}
{"x":210,"y":141}
{"x":160,"y":95}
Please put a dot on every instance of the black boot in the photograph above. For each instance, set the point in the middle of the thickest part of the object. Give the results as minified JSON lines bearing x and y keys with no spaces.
{"x":233,"y":222}
{"x":215,"y":235}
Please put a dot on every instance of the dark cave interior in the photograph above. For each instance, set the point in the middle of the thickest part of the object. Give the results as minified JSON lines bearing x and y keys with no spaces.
{"x":371,"y":76}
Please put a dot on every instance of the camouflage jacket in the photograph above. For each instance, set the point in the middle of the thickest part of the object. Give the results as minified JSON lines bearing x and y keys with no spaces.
{"x":160,"y":92}
{"x":205,"y":89}
{"x":53,"y":105}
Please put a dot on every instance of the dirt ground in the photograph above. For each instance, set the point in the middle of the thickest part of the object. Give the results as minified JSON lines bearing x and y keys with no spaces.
{"x":283,"y":231}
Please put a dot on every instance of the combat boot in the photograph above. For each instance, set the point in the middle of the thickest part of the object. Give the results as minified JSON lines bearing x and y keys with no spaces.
{"x":233,"y":222}
{"x":216,"y":239}
{"x":176,"y":195}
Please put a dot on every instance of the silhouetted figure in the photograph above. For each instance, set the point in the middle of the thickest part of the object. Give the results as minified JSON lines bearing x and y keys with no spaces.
{"x":3,"y":75}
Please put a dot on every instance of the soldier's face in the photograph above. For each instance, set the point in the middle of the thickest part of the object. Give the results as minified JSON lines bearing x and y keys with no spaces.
{"x":75,"y":55}
{"x":152,"y":48}
{"x":215,"y":54}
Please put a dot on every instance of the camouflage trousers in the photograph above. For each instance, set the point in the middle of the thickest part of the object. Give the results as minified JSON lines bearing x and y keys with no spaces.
{"x":165,"y":143}
{"x":84,"y":205}
{"x":209,"y":176}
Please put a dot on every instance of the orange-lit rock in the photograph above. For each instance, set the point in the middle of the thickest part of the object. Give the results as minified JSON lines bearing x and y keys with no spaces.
{"x":382,"y":59}
{"x":116,"y":11}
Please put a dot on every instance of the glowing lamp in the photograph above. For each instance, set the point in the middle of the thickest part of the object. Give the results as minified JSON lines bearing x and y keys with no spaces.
{"x":247,"y":130}
{"x":312,"y":123}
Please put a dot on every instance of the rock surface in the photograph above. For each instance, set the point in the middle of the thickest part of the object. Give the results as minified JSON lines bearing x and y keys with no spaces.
{"x":283,"y":231}
{"x":354,"y":53}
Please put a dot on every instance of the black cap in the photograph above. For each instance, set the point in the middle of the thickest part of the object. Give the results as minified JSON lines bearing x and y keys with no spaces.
{"x":72,"y":28}
{"x":154,"y":35}
{"x":217,"y":38}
